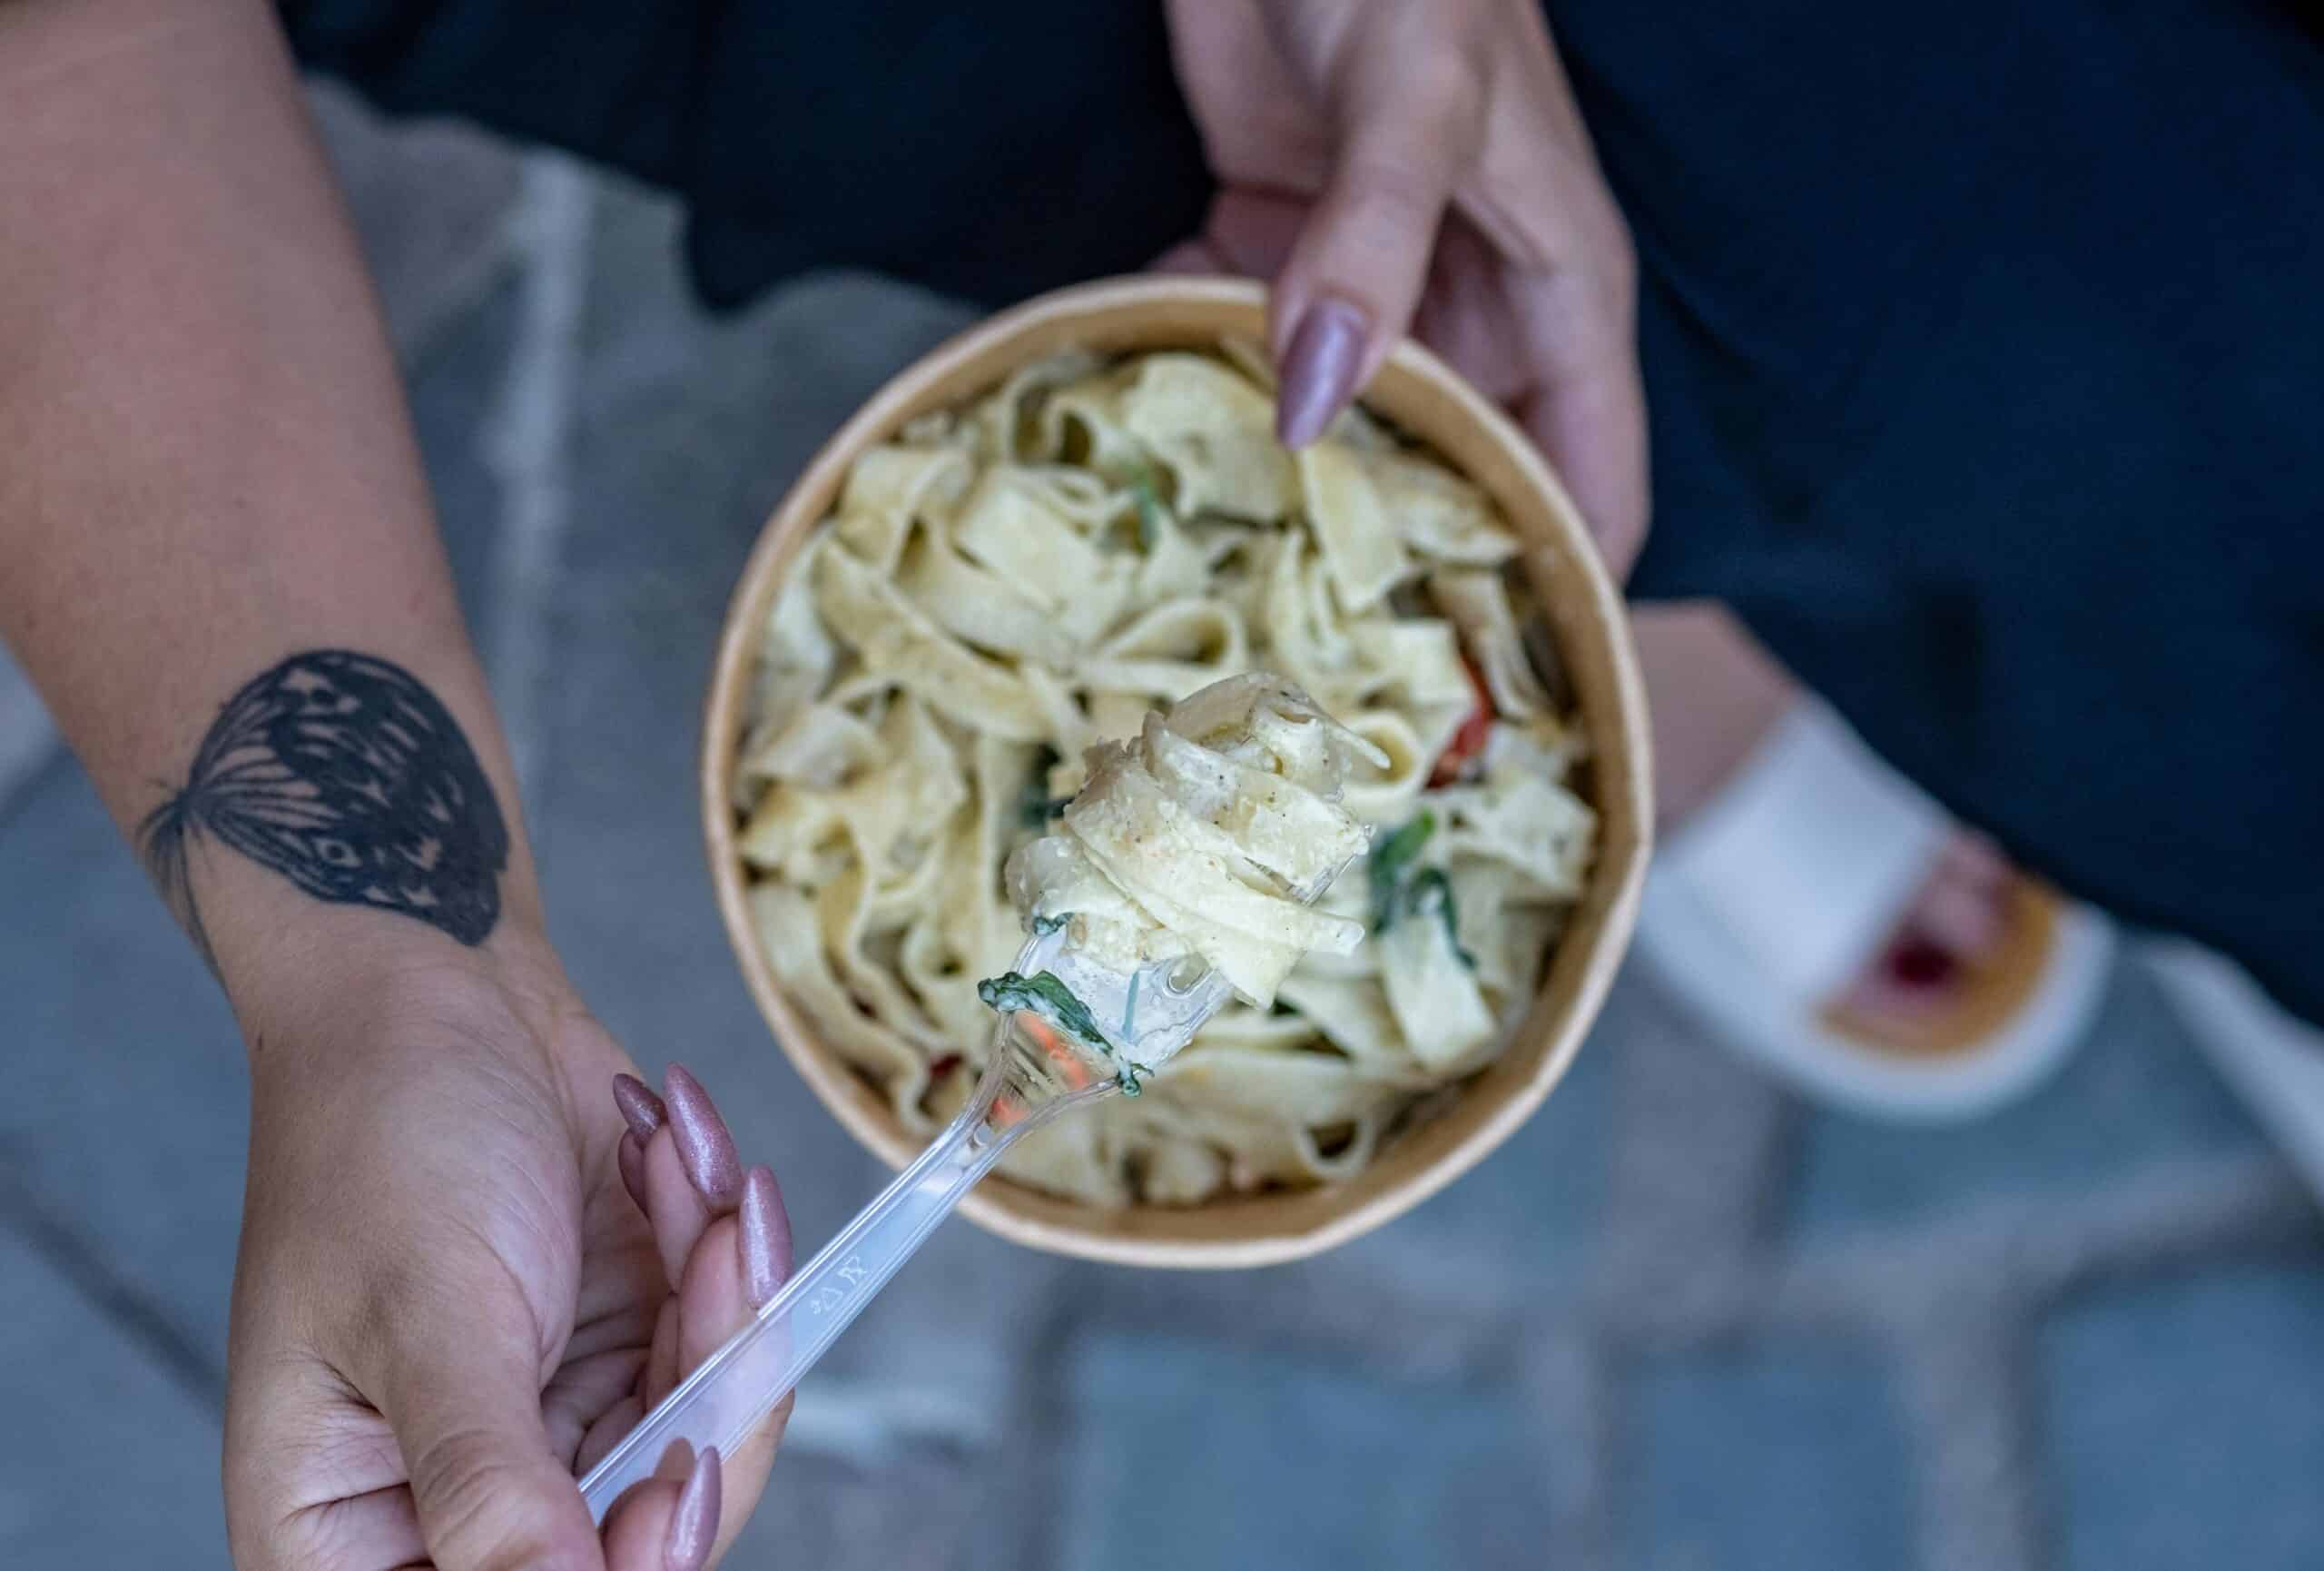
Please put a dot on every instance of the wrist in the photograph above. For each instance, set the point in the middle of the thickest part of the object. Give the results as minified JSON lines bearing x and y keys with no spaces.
{"x":339,"y":991}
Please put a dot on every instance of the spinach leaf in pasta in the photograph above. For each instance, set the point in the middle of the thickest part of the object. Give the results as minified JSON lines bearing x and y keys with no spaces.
{"x":1146,"y":488}
{"x":1430,"y":892}
{"x":1046,"y":996}
{"x":1398,"y":890}
{"x":1388,"y":862}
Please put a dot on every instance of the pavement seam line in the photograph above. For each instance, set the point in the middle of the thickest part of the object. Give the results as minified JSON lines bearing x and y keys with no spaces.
{"x":528,"y":443}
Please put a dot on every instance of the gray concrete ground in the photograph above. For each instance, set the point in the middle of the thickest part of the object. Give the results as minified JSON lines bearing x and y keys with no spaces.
{"x":1680,"y":1321}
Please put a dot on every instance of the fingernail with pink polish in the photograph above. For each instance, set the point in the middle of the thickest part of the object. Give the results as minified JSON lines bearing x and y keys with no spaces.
{"x":766,"y":1237}
{"x":705,"y":1146}
{"x":694,"y":1527}
{"x":1319,"y":369}
{"x":639,"y":1105}
{"x":631,"y":1156}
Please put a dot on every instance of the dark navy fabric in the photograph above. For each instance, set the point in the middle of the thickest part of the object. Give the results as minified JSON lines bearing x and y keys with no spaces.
{"x":1984,"y":343}
{"x":1985,"y":350}
{"x":987,"y":151}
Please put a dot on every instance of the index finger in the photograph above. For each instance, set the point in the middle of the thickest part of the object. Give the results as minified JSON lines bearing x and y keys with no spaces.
{"x":667,"y":1524}
{"x":1411,"y":116}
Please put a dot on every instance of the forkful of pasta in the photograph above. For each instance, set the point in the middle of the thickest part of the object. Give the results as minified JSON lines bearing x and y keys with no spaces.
{"x":1183,"y":875}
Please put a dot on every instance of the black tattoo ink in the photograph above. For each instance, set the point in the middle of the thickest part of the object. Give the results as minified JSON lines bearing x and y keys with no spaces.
{"x":343,"y":774}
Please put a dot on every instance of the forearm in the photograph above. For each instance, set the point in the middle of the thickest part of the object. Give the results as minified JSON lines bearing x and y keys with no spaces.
{"x":207,"y":472}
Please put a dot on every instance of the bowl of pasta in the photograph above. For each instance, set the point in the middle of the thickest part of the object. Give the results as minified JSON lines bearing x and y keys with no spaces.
{"x":1073,"y":514}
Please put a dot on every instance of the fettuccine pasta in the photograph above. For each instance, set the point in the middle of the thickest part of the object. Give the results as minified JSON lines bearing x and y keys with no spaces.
{"x":1005,"y":590}
{"x":1191,"y":840}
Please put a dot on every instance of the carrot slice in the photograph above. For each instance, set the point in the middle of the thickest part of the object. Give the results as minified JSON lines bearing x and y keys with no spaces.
{"x":1470,"y":739}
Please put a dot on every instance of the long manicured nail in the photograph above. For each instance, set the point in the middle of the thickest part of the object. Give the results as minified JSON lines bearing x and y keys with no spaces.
{"x":1319,"y":369}
{"x":639,"y":1105}
{"x":767,"y":1236}
{"x":705,"y":1146}
{"x":694,"y":1526}
{"x":631,"y":1155}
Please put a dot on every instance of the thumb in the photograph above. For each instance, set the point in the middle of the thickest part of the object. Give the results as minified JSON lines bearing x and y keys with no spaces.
{"x":491,"y":1494}
{"x":1409,"y":107}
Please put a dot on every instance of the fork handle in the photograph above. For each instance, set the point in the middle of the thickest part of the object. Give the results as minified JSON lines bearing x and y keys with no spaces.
{"x":736,"y":1386}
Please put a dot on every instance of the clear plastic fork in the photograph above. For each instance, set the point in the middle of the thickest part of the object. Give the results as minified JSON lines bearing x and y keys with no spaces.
{"x":1033,"y":1075}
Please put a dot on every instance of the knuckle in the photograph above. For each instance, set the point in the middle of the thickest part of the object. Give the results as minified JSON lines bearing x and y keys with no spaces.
{"x":476,"y":1507}
{"x":318,"y":1538}
{"x":451,"y":1472}
{"x":1415,"y":98}
{"x":1435,"y":118}
{"x":1621,"y":275}
{"x":1620,"y":250}
{"x":272,"y":1398}
{"x":1389,"y":188}
{"x":1604,"y":256}
{"x":1447,"y":85}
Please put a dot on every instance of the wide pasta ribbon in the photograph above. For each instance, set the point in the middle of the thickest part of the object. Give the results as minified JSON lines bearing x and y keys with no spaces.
{"x":1003,"y":584}
{"x":1192,"y":839}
